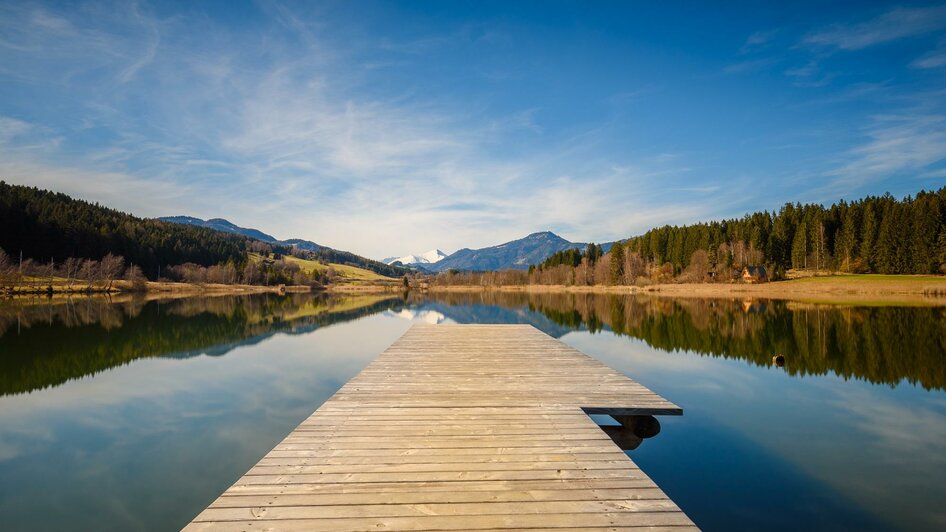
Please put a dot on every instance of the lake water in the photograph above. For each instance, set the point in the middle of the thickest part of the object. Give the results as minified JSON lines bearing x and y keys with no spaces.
{"x":125,"y":415}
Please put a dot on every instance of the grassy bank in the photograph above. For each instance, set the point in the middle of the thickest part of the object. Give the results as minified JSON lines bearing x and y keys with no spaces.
{"x":163,"y":289}
{"x":927,"y":290}
{"x":62,"y":287}
{"x":204,"y":288}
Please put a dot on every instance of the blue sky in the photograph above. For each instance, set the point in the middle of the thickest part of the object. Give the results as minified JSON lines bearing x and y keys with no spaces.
{"x":395,"y":127}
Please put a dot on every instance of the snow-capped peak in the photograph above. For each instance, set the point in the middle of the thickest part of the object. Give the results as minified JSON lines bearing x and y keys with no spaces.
{"x":433,"y":256}
{"x":430,"y":257}
{"x":427,"y":316}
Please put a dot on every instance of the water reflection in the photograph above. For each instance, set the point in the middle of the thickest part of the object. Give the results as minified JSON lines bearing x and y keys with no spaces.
{"x":125,"y":414}
{"x":629,"y":432}
{"x":882,"y":345}
{"x":135,"y":430}
{"x":47,"y":342}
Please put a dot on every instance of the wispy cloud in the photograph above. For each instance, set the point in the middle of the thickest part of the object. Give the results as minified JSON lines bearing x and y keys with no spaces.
{"x":894,"y":145}
{"x":933,"y":59}
{"x":939,"y":173}
{"x":890,"y":26}
{"x":804,"y":71}
{"x":11,"y":128}
{"x":809,"y":75}
{"x":758,"y":40}
{"x":752,"y":65}
{"x":151,"y":48}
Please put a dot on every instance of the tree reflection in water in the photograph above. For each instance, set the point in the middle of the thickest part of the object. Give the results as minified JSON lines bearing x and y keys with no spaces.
{"x":879,"y":344}
{"x":47,"y":342}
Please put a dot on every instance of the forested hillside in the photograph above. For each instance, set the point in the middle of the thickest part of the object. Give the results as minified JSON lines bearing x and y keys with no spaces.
{"x":303,"y":248}
{"x":46,"y":225}
{"x":875,"y":234}
{"x":74,"y":239}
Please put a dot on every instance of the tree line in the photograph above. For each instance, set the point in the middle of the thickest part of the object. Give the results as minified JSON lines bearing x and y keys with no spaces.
{"x":871,"y":235}
{"x":46,"y":226}
{"x":265,"y":269}
{"x":70,"y":275}
{"x":76,"y":236}
{"x":90,"y":275}
{"x":878,"y":234}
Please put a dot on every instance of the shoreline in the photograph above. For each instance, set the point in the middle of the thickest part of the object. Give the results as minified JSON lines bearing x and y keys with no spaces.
{"x":840,"y":290}
{"x":387,"y":288}
{"x":229,"y":289}
{"x":868,"y":290}
{"x":155,"y":288}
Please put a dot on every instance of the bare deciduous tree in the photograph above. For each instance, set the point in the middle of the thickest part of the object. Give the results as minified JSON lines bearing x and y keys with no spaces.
{"x":8,"y":272}
{"x":110,"y":268}
{"x":89,"y":271}
{"x":70,"y":270}
{"x":699,"y":266}
{"x":139,"y":282}
{"x":634,"y":267}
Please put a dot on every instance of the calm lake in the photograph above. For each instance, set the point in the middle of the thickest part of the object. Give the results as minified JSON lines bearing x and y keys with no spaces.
{"x":127,"y":415}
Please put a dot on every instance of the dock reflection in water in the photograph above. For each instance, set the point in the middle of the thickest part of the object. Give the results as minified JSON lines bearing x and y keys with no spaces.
{"x":629,"y":432}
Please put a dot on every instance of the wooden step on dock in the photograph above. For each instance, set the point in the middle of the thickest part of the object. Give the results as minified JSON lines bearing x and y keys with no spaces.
{"x":459,"y":427}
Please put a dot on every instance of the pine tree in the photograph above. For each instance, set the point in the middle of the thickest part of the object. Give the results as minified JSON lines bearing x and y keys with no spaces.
{"x":779,"y":248}
{"x":593,"y":252}
{"x":886,"y":255}
{"x":846,"y":240}
{"x":925,"y":221}
{"x":941,"y":250}
{"x":617,"y":263}
{"x":800,"y":247}
{"x":868,"y":236}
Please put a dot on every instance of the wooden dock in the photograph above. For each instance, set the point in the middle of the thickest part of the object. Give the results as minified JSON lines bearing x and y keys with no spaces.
{"x":459,"y":427}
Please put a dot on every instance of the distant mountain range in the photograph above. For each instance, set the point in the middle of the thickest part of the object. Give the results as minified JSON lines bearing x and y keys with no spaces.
{"x":219,"y":224}
{"x":517,"y":254}
{"x":324,"y":253}
{"x":424,"y":259}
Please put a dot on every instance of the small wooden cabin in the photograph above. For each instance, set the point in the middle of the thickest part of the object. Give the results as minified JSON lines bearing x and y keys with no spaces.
{"x":755,"y":274}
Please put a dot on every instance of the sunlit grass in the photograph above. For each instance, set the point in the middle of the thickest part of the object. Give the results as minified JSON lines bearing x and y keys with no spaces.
{"x":344,"y":271}
{"x":854,"y":279}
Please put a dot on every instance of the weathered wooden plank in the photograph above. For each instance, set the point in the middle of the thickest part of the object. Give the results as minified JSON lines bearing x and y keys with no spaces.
{"x":295,"y":469}
{"x":435,"y":487}
{"x":480,"y":427}
{"x":273,"y":512}
{"x":469,"y":522}
{"x":418,"y":497}
{"x":448,"y":476}
{"x":454,"y":451}
{"x":319,"y":457}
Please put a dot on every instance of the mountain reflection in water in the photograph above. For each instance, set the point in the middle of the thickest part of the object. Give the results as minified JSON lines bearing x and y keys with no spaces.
{"x":47,"y":342}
